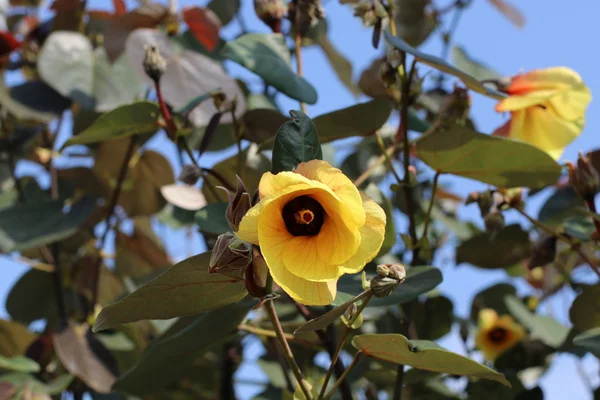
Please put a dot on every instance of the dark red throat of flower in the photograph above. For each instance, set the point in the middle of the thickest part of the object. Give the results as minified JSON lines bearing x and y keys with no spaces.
{"x":498,"y":335}
{"x":303,"y":216}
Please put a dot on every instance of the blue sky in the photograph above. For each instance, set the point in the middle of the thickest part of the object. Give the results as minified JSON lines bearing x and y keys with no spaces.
{"x":555,"y":34}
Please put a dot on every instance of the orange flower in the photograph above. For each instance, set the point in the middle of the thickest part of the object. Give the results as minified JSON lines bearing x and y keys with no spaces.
{"x":496,"y":334}
{"x":547,"y":108}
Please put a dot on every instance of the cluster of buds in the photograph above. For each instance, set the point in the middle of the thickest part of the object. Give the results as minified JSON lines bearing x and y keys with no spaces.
{"x":371,"y":12}
{"x":154,"y":63}
{"x":271,"y":12}
{"x":239,"y":204}
{"x":389,"y":276}
{"x":491,"y":203}
{"x":305,"y":14}
{"x":584,"y":178}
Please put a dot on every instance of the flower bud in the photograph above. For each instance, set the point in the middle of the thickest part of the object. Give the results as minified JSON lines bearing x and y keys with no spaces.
{"x":256,"y":275}
{"x":154,"y":64}
{"x":229,"y":255}
{"x":383,"y":270}
{"x":239,"y":204}
{"x":271,"y":12}
{"x":304,"y":14}
{"x":397,"y":272}
{"x":383,"y":286}
{"x":190,"y":174}
{"x":584,"y":178}
{"x":494,"y":223}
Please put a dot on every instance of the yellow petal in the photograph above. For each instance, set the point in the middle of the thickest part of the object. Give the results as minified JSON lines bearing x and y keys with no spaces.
{"x":322,"y":171}
{"x":301,"y":258}
{"x":336,"y":242}
{"x":519,"y":102}
{"x":487,"y":318}
{"x":555,"y":78}
{"x":285,"y":182}
{"x":248,"y":228}
{"x":371,"y":236}
{"x":571,"y":104}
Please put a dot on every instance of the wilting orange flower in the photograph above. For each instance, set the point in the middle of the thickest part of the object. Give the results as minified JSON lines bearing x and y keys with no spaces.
{"x":547,"y":108}
{"x":496,"y":334}
{"x":313,"y":226}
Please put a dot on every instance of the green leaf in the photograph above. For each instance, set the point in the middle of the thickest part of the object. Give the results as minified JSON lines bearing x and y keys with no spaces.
{"x":589,"y":340}
{"x":542,"y":327}
{"x":132,"y":119}
{"x":490,"y":159}
{"x":585,"y":310}
{"x":419,"y":280}
{"x":491,"y":297}
{"x":33,"y":100}
{"x":211,"y":219}
{"x":340,"y":64}
{"x":193,"y":103}
{"x":422,"y":354}
{"x":378,"y":197}
{"x":560,"y":205}
{"x":326,"y":319}
{"x":510,"y":246}
{"x":187,"y":288}
{"x":580,"y":228}
{"x":266,"y":55}
{"x":117,"y":341}
{"x":168,"y":359}
{"x":22,"y":380}
{"x":297,"y":141}
{"x":41,"y":223}
{"x":358,"y":120}
{"x":443,"y":66}
{"x":225,"y":9}
{"x":18,"y":364}
{"x":433,"y":328}
{"x":476,"y":69}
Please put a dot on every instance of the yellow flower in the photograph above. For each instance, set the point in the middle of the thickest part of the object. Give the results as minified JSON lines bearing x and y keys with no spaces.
{"x":547,"y":108}
{"x":313,"y":226}
{"x":496,"y":334}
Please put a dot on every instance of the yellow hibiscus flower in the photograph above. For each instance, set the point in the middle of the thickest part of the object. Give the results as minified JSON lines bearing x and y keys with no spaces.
{"x":496,"y":334}
{"x":547,"y":108}
{"x":313,"y":226}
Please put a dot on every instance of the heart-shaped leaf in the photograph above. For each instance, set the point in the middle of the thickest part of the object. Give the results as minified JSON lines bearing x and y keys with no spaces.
{"x":443,"y":66}
{"x":188,"y":75}
{"x":585,"y":310}
{"x":184,"y":196}
{"x":296,"y":141}
{"x":187,"y":288}
{"x":133,"y":119}
{"x":422,"y":354}
{"x":266,"y":55}
{"x":490,"y":159}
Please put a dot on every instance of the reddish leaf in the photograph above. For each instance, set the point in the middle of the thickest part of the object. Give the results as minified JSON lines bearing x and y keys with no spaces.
{"x":64,"y":5}
{"x":7,"y":390}
{"x":510,"y":12}
{"x":204,"y":25}
{"x":120,"y":7}
{"x":101,"y":15}
{"x":8,"y":43}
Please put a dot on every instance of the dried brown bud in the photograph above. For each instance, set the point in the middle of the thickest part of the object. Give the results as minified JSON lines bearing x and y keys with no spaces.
{"x":494,"y":223}
{"x":485,"y":201}
{"x":584,"y":178}
{"x":271,"y":12}
{"x":305,"y":14}
{"x":190,"y":174}
{"x":239,"y":204}
{"x":154,"y":64}
{"x":229,"y":255}
{"x":256,"y":274}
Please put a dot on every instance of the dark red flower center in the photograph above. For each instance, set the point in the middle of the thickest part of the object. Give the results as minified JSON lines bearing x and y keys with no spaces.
{"x":303,"y":216}
{"x":498,"y":335}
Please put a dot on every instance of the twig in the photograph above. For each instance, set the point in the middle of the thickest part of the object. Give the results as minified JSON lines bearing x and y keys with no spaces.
{"x":342,"y":342}
{"x":399,"y":383}
{"x":385,"y":154}
{"x":298,"y":52}
{"x":355,"y":361}
{"x":272,"y":334}
{"x":287,"y":351}
{"x":271,"y":345}
{"x":112,"y":205}
{"x":227,"y":371}
{"x":431,"y":203}
{"x":591,"y":205}
{"x":171,"y":127}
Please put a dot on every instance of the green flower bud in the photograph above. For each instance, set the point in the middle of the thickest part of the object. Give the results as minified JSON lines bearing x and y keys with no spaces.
{"x":383,"y":286}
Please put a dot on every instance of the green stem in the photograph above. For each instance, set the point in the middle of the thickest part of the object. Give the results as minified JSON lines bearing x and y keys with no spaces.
{"x":355,"y":361}
{"x":431,"y":203}
{"x":287,"y":351}
{"x":367,"y":296}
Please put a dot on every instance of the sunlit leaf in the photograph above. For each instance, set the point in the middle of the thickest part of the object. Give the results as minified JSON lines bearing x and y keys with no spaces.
{"x":24,"y":381}
{"x":188,"y":75}
{"x":542,"y":327}
{"x":133,"y":119}
{"x":326,"y":319}
{"x":184,"y":196}
{"x":464,"y":152}
{"x":15,"y":338}
{"x":18,"y":364}
{"x":204,"y":25}
{"x":267,"y":56}
{"x":77,"y":356}
{"x":422,"y":354}
{"x":170,"y":358}
{"x":443,"y":66}
{"x":296,"y":141}
{"x":187,"y":288}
